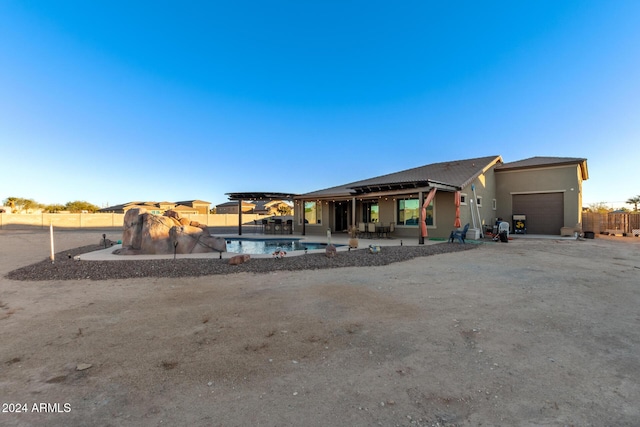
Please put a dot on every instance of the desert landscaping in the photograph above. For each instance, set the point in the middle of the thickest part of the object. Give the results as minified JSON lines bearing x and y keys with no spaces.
{"x":529,"y":333}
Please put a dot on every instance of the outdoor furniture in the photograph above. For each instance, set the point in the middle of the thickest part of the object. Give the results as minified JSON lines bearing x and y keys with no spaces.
{"x":459,"y":235}
{"x":288,"y":226}
{"x":362,"y":228}
{"x":371,"y":228}
{"x":382,"y":230}
{"x":278,"y":228}
{"x":268,"y":226}
{"x":392,"y":228}
{"x":504,"y":226}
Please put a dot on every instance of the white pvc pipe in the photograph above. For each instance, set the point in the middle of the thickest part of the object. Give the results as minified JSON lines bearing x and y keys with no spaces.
{"x":51,"y":234}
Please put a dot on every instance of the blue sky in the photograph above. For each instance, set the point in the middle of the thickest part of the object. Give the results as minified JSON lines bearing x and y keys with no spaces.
{"x":109,"y":101}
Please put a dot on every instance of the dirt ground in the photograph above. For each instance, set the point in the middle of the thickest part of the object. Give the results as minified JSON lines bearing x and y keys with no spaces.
{"x":529,"y":333}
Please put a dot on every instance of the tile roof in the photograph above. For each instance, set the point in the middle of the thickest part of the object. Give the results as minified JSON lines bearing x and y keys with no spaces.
{"x":456,"y":173}
{"x":235,"y":203}
{"x":187,"y":202}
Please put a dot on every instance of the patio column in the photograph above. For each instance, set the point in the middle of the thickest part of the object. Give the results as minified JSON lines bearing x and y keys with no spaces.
{"x":420,"y":238}
{"x":239,"y":217}
{"x":304,"y":223}
{"x":353,"y":212}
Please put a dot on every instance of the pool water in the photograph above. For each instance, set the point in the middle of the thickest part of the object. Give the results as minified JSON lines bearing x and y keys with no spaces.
{"x":268,"y":246}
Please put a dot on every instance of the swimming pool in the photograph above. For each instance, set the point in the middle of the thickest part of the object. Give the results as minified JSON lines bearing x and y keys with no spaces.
{"x":268,"y":246}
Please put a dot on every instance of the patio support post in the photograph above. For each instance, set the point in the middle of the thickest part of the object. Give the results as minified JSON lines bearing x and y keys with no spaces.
{"x":240,"y":217}
{"x":304,"y":223}
{"x":353,"y":212}
{"x":420,"y":238}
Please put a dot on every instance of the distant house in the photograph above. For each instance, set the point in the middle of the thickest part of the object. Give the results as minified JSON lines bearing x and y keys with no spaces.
{"x":200,"y":206}
{"x":232,"y":208}
{"x":546,"y":191}
{"x":158,"y":208}
{"x":270,"y":207}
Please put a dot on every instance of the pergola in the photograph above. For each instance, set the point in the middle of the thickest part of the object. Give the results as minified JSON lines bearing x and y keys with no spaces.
{"x":256,"y":195}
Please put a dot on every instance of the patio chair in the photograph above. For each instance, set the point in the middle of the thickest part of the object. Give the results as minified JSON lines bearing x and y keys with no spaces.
{"x":371,"y":228}
{"x":278,"y":226}
{"x":362,"y":228}
{"x":288,"y":226}
{"x":459,"y":235}
{"x":392,"y":227}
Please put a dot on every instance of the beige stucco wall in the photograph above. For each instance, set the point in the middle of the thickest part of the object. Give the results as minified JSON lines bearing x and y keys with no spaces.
{"x":564,"y":179}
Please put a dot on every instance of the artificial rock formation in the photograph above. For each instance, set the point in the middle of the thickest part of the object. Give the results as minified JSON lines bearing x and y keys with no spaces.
{"x":146,"y":233}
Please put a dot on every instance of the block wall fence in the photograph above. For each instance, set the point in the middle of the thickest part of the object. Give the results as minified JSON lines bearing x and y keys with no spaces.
{"x":109,"y":220}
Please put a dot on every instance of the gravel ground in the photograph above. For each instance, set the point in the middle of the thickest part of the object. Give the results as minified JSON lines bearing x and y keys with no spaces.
{"x":66,"y":268}
{"x":537,"y":332}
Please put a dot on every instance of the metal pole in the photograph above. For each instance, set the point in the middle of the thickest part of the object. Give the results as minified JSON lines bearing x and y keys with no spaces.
{"x":304,"y":223}
{"x":53,"y":257}
{"x":421,"y":202}
{"x":239,"y":217}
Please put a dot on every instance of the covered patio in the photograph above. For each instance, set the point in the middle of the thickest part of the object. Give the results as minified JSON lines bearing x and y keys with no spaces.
{"x":385,"y":209}
{"x":256,"y":196}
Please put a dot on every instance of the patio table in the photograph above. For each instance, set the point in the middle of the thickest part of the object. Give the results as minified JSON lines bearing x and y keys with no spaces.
{"x":381,"y":230}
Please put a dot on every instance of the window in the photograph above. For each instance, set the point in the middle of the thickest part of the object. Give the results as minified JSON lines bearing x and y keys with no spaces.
{"x":479,"y":201}
{"x":494,"y":204}
{"x":313,"y":212}
{"x":370,"y":212}
{"x":409,"y":212}
{"x":463,"y":198}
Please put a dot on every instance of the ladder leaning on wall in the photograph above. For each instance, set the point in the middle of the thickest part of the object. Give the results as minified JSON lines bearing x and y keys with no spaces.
{"x":475,"y":213}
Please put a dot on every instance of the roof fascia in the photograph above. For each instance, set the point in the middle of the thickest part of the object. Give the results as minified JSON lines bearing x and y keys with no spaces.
{"x":377,"y":195}
{"x":584,"y":172}
{"x":490,"y":165}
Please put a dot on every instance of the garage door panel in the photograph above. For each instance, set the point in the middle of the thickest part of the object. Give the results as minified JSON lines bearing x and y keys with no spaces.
{"x":544,"y":211}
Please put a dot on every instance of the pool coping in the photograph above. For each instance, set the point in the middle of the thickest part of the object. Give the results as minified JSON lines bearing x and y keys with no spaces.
{"x":107,"y":254}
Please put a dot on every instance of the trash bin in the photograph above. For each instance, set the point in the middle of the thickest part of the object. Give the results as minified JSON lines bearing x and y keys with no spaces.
{"x":519,"y":224}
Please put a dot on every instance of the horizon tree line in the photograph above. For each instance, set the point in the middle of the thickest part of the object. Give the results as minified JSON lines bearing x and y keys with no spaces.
{"x":23,"y":204}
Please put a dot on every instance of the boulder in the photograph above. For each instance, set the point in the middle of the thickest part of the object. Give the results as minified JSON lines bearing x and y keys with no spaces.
{"x":155,"y":234}
{"x":171,"y":214}
{"x":146,"y":233}
{"x":132,"y":228}
{"x":194,"y":240}
{"x":331,"y":251}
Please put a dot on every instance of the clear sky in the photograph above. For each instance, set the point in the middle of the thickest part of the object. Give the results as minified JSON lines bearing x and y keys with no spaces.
{"x":115,"y":101}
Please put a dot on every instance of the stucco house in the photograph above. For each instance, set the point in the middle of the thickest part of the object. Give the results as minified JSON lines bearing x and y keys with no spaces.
{"x":158,"y":208}
{"x":270,"y":207}
{"x":232,"y":207}
{"x":546,"y":191}
{"x":201,"y":206}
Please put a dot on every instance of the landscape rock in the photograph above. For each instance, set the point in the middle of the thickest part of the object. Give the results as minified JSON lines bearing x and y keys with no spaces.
{"x":146,"y":233}
{"x":331,"y":251}
{"x":132,"y":234}
{"x":239,"y":259}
